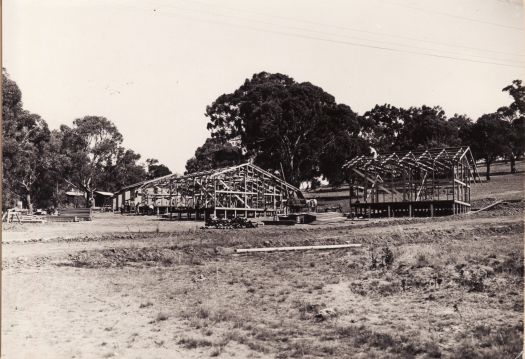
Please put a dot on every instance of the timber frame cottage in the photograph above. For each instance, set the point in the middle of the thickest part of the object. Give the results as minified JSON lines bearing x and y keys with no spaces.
{"x":432,"y":182}
{"x":245,"y":190}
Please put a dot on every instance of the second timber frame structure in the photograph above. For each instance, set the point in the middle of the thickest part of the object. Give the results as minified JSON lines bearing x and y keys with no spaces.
{"x":430,"y":183}
{"x":244,"y":190}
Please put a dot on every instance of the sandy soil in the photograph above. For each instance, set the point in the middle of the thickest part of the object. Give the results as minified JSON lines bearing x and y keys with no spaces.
{"x":102,"y":224}
{"x":97,"y":289}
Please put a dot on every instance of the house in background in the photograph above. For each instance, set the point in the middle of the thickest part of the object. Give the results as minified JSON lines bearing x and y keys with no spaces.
{"x":103,"y":200}
{"x":77,"y":199}
{"x":128,"y":198}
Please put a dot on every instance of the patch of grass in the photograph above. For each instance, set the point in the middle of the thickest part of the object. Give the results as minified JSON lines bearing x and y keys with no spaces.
{"x":363,"y":337}
{"x":145,"y":305}
{"x":492,"y":343}
{"x":162,"y":316}
{"x":192,"y":343}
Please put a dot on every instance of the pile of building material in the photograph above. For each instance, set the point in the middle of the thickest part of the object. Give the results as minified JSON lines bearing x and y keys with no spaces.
{"x":303,"y":218}
{"x":233,"y":223}
{"x":21,"y":216}
{"x":72,"y":215}
{"x":328,"y":218}
{"x":297,"y":248}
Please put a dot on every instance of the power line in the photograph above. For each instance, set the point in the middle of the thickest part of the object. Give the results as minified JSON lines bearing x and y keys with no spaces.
{"x":335,"y":41}
{"x":455,"y":16}
{"x":375,"y":33}
{"x":351,"y":37}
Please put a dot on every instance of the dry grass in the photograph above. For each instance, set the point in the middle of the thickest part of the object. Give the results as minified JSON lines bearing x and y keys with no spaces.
{"x":453,"y":287}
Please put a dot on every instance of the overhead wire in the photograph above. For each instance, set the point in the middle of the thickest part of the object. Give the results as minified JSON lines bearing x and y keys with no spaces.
{"x":464,"y":18}
{"x":337,"y":41}
{"x":375,"y":33}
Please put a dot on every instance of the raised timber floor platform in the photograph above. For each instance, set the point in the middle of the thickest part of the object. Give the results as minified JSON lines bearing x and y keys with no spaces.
{"x":409,"y":209}
{"x":202,"y":214}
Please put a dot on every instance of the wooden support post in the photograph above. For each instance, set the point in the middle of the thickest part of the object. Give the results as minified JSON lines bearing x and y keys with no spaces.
{"x":432,"y":210}
{"x":410,"y":210}
{"x":169,"y":201}
{"x":349,"y":197}
{"x":403,"y":179}
{"x":388,"y":211}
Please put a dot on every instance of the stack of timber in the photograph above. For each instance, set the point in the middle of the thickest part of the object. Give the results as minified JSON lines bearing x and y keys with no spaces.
{"x":72,"y":215}
{"x":329,"y":218}
{"x":297,"y":248}
{"x":278,"y":222}
{"x":31,"y":218}
{"x":21,"y":216}
{"x":299,"y":217}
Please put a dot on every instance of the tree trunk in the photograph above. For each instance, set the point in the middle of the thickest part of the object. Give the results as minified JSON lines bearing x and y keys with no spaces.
{"x":93,"y":198}
{"x":512,"y":163}
{"x":89,"y":197}
{"x":487,"y":175}
{"x":57,"y":198}
{"x":29,"y":204}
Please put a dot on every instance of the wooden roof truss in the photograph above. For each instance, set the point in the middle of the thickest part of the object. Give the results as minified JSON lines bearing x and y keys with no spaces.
{"x":414,"y":175}
{"x":244,"y":187}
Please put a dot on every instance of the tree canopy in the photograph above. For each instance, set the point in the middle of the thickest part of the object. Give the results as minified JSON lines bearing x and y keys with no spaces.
{"x":40,"y":165}
{"x":156,"y":169}
{"x":214,"y":153}
{"x":292,"y":128}
{"x":25,"y":138}
{"x":282,"y":124}
{"x":514,"y":114}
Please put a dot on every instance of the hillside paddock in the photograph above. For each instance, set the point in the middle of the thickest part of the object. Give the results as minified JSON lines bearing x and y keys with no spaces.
{"x":137,"y":287}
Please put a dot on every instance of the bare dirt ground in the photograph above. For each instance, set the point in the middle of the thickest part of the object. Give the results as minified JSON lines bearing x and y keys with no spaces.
{"x":136,"y":287}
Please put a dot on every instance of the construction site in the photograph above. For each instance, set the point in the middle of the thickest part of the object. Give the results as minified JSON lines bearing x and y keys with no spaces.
{"x":245,"y":190}
{"x":428,"y":183}
{"x":435,"y":182}
{"x":371,"y":253}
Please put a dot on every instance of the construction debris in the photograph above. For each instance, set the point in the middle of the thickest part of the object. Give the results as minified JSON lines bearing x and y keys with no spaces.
{"x":233,"y":223}
{"x":329,"y":218}
{"x":487,"y":207}
{"x":281,"y":222}
{"x":279,"y":249}
{"x":21,"y":216}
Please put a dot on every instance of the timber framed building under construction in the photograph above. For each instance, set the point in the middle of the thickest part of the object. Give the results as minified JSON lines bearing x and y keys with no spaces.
{"x":244,"y":190}
{"x":429,"y":183}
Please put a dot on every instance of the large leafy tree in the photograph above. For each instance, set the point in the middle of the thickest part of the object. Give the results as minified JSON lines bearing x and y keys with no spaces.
{"x":463,"y":126}
{"x":25,"y":140}
{"x":381,"y":127}
{"x":11,"y":106}
{"x":514,"y":114}
{"x":340,"y":142}
{"x":427,"y":127}
{"x":50,"y":190}
{"x":282,"y":124}
{"x":90,"y":146}
{"x":489,"y":139}
{"x":214,"y":153}
{"x":123,"y":169}
{"x":156,"y":169}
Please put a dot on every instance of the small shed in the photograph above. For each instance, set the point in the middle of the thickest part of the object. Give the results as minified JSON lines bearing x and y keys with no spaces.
{"x":103,"y":199}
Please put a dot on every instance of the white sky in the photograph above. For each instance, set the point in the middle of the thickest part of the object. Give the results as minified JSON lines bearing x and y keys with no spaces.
{"x":152,"y":67}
